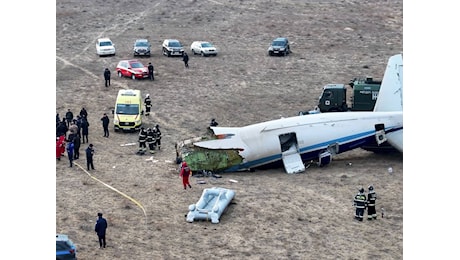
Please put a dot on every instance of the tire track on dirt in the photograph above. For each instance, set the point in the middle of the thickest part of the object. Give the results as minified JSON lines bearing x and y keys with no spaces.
{"x":94,"y":76}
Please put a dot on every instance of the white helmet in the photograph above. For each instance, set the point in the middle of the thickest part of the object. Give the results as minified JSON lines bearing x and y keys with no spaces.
{"x":147,"y":95}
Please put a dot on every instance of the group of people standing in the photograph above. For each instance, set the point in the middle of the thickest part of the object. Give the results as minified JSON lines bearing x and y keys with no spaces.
{"x":81,"y":122}
{"x":70,"y":134}
{"x":151,"y":138}
{"x":361,"y":202}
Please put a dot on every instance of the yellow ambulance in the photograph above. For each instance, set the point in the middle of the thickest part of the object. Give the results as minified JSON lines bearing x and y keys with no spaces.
{"x":128,"y":110}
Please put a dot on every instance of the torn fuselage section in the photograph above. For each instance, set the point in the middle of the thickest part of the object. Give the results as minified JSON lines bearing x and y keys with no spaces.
{"x":199,"y":158}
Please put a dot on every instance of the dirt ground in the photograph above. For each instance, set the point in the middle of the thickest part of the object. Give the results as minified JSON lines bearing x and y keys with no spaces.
{"x":274,"y":215}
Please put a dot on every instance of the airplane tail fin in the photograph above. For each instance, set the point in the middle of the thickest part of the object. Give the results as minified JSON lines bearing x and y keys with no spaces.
{"x":391,"y":91}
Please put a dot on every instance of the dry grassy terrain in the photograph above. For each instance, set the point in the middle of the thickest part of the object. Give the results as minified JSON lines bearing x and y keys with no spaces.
{"x":274,"y":215}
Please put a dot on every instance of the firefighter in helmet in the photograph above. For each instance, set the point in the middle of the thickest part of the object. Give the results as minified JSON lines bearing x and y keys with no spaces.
{"x":360,"y":204}
{"x":150,"y":140}
{"x":371,"y":197}
{"x":142,"y":141}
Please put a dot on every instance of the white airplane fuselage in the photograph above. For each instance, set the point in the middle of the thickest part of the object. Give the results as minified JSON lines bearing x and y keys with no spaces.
{"x":261,"y":144}
{"x":298,"y":139}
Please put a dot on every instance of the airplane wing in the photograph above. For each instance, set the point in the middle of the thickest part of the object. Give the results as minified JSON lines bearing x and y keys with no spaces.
{"x":224,"y":144}
{"x":224,"y":130}
{"x":391,"y":96}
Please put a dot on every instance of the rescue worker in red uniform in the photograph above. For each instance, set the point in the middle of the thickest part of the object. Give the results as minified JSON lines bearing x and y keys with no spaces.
{"x":60,"y":147}
{"x":185,"y":174}
{"x":360,"y":204}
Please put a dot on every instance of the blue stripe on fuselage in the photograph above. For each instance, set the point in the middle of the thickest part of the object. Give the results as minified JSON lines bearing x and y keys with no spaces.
{"x":312,"y":152}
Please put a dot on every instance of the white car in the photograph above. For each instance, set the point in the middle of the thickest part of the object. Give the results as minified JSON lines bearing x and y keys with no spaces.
{"x":203,"y":48}
{"x":172,"y":47}
{"x":105,"y":46}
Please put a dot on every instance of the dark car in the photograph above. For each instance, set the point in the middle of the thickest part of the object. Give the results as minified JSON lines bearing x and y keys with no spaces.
{"x":279,"y":46}
{"x":172,"y":47}
{"x":141,"y":47}
{"x":65,"y":248}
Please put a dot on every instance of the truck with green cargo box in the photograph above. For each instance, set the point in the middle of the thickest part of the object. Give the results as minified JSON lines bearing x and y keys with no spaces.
{"x":364,"y":95}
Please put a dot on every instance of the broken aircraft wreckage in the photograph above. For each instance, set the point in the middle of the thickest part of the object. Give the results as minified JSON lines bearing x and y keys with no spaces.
{"x":294,"y":140}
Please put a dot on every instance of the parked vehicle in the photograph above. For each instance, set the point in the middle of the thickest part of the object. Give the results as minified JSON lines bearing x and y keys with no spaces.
{"x":279,"y":46}
{"x":65,"y":248}
{"x":172,"y":47}
{"x":364,"y":95}
{"x":141,"y":47}
{"x":133,"y":69}
{"x":127,"y":115}
{"x":203,"y":48}
{"x":104,"y":47}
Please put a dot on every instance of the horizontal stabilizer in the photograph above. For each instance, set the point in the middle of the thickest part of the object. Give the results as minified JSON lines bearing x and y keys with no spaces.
{"x":396,"y":139}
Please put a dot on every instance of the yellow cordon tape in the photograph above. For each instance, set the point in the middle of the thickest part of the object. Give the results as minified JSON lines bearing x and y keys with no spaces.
{"x":112,"y":188}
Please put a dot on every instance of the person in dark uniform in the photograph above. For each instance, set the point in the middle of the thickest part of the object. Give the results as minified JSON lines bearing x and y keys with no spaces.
{"x":185,"y":59}
{"x":68,"y":117}
{"x":84,"y":129}
{"x":78,"y":123}
{"x":70,"y":151}
{"x":142,"y":141}
{"x":157,"y":136}
{"x":148,"y":104}
{"x":213,"y":122}
{"x":107,"y":77}
{"x":360,"y":204}
{"x":76,"y":142}
{"x":150,"y":141}
{"x":89,"y":157}
{"x":105,"y":124}
{"x":83,"y":112}
{"x":58,"y":119}
{"x":62,"y":128}
{"x":150,"y":67}
{"x":371,"y":197}
{"x":100,"y":229}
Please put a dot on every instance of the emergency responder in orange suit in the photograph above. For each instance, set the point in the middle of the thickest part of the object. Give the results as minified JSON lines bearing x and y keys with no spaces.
{"x":60,"y":146}
{"x":185,"y":174}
